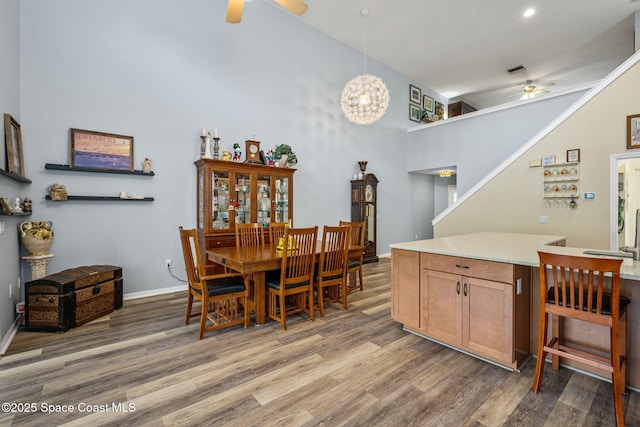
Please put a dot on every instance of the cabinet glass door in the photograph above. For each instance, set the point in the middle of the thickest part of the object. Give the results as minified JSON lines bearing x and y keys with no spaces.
{"x":281,"y":203}
{"x":264,"y":199}
{"x":243,"y":198}
{"x":220,"y":201}
{"x":200,"y":199}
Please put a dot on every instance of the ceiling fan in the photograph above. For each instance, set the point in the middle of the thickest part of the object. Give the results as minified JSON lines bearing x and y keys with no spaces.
{"x":530,"y":90}
{"x":234,"y":8}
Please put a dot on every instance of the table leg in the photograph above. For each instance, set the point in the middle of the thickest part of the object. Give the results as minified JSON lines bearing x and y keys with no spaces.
{"x":259,"y":297}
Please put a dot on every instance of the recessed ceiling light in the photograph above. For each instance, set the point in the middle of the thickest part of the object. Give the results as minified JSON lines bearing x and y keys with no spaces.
{"x":529,"y":12}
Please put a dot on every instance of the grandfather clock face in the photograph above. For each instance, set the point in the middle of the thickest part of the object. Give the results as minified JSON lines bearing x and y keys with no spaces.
{"x":368,"y":193}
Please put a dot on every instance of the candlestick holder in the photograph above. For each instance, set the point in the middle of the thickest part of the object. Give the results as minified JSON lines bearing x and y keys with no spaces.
{"x":207,"y":147}
{"x":203,"y":145}
{"x":216,"y":148}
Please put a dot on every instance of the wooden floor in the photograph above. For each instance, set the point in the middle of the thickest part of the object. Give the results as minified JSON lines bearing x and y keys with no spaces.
{"x":142,"y":366}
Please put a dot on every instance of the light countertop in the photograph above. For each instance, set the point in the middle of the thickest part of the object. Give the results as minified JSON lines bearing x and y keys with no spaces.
{"x":512,"y":248}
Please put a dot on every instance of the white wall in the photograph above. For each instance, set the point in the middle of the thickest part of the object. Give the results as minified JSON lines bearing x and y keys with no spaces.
{"x":9,"y":104}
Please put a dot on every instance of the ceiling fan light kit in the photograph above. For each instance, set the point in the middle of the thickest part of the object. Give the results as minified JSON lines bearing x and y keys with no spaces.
{"x":365,"y":98}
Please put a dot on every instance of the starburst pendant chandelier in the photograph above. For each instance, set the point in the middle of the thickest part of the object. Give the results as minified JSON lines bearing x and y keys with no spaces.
{"x":365,"y":98}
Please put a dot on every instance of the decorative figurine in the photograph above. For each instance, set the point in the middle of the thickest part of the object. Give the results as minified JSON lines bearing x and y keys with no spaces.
{"x":226,"y":156}
{"x":236,"y":152}
{"x":26,"y":205}
{"x":17,"y":205}
{"x":271,"y":158}
{"x":146,"y":165}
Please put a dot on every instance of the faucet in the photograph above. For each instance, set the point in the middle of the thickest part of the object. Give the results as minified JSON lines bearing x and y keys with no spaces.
{"x":636,"y":249}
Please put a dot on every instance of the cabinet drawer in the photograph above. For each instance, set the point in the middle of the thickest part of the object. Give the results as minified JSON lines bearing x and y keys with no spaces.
{"x":220,"y":241}
{"x":490,"y":270}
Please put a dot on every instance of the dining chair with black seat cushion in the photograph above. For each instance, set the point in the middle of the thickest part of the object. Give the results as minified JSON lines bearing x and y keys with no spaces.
{"x":295,"y":281}
{"x":331,"y":275}
{"x":276,"y":231}
{"x":249,"y":235}
{"x":223,"y":297}
{"x":355,"y":261}
{"x":575,"y":287}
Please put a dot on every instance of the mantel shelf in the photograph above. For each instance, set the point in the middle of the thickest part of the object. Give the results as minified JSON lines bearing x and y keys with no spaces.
{"x":54,"y":166}
{"x":102,"y":199}
{"x":15,"y":176}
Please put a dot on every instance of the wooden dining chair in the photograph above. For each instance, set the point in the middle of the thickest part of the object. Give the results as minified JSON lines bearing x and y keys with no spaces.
{"x":355,"y":261}
{"x":574,"y":287}
{"x":276,"y":230}
{"x":222,"y":296}
{"x":331,"y":277}
{"x":249,"y":235}
{"x":295,"y":281}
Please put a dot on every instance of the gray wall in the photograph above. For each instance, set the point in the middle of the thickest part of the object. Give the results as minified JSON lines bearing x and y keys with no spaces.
{"x":160,"y":71}
{"x":478,"y":143}
{"x":9,"y":104}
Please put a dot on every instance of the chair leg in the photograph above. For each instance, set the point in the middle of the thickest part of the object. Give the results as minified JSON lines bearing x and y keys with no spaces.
{"x":556,"y":328}
{"x":189,"y":306}
{"x":542,"y":340}
{"x":245,"y":304}
{"x":617,"y":380}
{"x":343,"y":290}
{"x":320,"y":300}
{"x":360,"y":277}
{"x":203,"y":319}
{"x":283,"y":312}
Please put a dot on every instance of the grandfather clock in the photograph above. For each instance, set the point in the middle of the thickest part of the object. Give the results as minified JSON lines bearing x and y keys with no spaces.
{"x":364,"y":195}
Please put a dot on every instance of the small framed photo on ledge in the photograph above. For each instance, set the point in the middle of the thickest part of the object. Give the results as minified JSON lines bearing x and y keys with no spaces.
{"x":633,"y":131}
{"x":573,"y":156}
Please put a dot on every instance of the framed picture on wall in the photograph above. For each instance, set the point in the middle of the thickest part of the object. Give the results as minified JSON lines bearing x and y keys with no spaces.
{"x":414,"y":113}
{"x":633,"y":131}
{"x":573,"y":155}
{"x":415,"y":94}
{"x":427,"y":103}
{"x":98,"y":150}
{"x":13,"y":144}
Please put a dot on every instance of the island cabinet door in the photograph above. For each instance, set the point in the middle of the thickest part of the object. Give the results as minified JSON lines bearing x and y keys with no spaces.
{"x":405,"y":287}
{"x":488,"y":318}
{"x":442,"y":306}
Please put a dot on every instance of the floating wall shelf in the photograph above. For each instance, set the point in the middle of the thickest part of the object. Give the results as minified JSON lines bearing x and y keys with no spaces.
{"x":54,"y":166}
{"x":15,"y":176}
{"x":102,"y":199}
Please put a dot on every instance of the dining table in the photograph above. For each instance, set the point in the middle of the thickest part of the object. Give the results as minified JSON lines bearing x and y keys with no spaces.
{"x":255,"y":261}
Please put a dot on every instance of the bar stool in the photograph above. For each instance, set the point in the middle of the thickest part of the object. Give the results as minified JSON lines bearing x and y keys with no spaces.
{"x":577,"y":291}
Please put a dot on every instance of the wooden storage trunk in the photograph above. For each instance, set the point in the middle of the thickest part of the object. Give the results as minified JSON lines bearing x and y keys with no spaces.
{"x":64,"y":300}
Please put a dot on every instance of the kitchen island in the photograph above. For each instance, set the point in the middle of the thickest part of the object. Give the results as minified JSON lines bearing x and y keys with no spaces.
{"x":478,"y":293}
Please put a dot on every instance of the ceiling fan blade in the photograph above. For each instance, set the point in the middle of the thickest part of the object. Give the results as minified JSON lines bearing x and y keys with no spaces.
{"x":297,"y":7}
{"x":234,"y":11}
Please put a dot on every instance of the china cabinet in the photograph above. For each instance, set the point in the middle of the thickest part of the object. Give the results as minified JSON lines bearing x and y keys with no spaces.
{"x":230,"y":193}
{"x":364,"y":204}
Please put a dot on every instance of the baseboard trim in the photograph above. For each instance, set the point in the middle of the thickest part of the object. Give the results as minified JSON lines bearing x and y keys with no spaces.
{"x":154,"y":292}
{"x":13,"y":330}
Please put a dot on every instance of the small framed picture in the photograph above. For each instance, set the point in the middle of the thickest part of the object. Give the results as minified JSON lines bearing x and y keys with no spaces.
{"x":414,"y":113}
{"x":439,"y":110}
{"x":13,"y":144}
{"x":99,"y":150}
{"x":427,"y":103}
{"x":573,"y":155}
{"x":633,"y":131}
{"x":415,"y":94}
{"x":548,"y":160}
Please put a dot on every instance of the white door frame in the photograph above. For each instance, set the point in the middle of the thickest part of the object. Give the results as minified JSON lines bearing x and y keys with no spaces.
{"x":613,"y":196}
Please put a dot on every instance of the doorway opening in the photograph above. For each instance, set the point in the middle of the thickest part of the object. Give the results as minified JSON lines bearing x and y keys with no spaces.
{"x":625,"y":199}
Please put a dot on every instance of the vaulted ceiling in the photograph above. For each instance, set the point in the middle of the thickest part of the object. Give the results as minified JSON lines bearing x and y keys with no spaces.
{"x":462,"y":49}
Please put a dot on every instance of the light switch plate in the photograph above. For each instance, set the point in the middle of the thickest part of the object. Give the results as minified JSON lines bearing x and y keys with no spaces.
{"x":590,"y":196}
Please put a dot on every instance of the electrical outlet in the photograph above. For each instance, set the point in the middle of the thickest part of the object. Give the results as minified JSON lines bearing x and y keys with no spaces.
{"x":167,"y":263}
